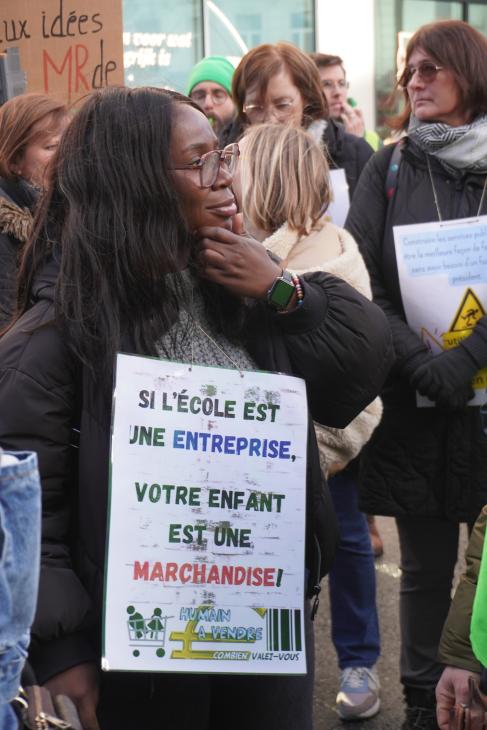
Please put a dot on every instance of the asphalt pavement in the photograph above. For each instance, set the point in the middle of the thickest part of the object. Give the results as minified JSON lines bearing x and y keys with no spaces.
{"x":391,"y":714}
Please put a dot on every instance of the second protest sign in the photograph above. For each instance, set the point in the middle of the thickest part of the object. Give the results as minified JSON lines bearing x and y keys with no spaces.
{"x":205,"y":559}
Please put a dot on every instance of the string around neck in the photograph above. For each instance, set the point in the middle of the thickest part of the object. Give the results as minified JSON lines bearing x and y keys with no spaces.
{"x":211,"y":339}
{"x":435,"y":195}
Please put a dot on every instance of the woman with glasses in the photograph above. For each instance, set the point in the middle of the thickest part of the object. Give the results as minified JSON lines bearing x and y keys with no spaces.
{"x":137,"y":249}
{"x":427,"y":466}
{"x":280,"y":84}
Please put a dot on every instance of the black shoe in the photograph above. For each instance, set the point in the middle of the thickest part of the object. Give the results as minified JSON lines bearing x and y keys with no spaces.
{"x":420,"y":718}
{"x":420,"y":710}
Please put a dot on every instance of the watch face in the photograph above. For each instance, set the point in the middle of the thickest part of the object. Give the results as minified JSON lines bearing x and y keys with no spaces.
{"x":281,"y":294}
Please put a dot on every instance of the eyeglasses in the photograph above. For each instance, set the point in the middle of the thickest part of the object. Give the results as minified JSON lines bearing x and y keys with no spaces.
{"x":328,"y":84}
{"x":280,"y":110}
{"x":218,"y":96}
{"x":427,"y":71}
{"x":209,"y":164}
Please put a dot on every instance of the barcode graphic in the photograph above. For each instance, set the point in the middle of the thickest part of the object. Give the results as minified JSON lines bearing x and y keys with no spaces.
{"x":283,"y":629}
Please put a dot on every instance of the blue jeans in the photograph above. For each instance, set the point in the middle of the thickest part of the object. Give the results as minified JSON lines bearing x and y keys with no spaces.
{"x":354,"y":621}
{"x":20,"y":516}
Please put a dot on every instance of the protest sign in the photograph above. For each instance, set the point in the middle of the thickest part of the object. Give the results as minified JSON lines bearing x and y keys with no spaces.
{"x":337,"y":211}
{"x":443,"y":278}
{"x":65,"y":50}
{"x":206,"y":538}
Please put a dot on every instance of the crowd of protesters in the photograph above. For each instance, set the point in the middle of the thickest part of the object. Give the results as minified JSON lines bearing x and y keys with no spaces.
{"x":147,"y":214}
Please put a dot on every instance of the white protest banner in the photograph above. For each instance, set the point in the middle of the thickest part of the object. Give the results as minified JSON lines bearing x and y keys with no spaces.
{"x":206,"y":538}
{"x":443,"y":277}
{"x":337,"y":211}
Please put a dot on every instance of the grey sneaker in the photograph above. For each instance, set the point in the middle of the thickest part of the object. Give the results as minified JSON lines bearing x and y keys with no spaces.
{"x":358,"y":697}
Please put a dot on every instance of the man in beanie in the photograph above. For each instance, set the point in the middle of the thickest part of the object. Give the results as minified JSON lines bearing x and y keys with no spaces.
{"x":210,"y":86}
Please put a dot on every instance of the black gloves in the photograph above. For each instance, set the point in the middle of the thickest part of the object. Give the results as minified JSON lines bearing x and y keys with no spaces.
{"x":447,"y":378}
{"x":409,"y":366}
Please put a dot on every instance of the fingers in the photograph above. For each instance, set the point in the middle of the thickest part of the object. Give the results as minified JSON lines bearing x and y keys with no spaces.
{"x":454,"y":401}
{"x":212,"y":252}
{"x":445,"y":702}
{"x":221,"y":235}
{"x":238,"y":224}
{"x":354,"y":121}
{"x":443,"y":717}
{"x":87,"y":715}
{"x":424,"y":383}
{"x":215,"y":274}
{"x":477,"y":722}
{"x":87,"y":710}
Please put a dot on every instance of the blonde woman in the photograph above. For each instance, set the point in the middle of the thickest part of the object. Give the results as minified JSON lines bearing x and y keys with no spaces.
{"x":284,"y":189}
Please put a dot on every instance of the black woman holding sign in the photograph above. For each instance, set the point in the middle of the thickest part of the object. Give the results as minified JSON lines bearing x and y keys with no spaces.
{"x":427,"y":466}
{"x":136,"y":240}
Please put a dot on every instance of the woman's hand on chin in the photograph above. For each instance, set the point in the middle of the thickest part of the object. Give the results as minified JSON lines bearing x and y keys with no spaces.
{"x":236,"y":261}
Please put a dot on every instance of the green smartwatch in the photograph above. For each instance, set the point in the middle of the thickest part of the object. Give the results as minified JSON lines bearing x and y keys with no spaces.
{"x":281,"y":292}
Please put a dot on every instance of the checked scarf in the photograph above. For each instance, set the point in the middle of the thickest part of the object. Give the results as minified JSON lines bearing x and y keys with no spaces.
{"x":458,"y":149}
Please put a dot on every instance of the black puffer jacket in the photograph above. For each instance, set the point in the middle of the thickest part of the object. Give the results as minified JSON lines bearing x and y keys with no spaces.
{"x":16,"y":202}
{"x":420,"y":461}
{"x":338,"y":341}
{"x":346,"y":151}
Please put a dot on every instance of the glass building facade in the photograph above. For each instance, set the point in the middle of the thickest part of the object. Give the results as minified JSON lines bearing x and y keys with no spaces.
{"x":163,"y":39}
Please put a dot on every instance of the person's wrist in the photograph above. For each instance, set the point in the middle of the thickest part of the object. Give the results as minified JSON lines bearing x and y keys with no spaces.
{"x":293,"y":303}
{"x":280,"y":292}
{"x":285,"y":293}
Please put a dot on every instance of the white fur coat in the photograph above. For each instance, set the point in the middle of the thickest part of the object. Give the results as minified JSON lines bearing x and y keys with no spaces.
{"x":331,"y":249}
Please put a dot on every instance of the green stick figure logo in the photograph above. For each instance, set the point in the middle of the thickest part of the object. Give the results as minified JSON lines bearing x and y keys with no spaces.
{"x":145,"y":632}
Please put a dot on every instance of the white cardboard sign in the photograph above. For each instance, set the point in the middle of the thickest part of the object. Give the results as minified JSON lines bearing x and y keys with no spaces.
{"x":337,"y":211}
{"x":443,"y":277}
{"x":205,"y":555}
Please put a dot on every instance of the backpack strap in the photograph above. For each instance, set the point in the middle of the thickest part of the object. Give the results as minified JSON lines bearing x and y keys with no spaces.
{"x":393,"y":170}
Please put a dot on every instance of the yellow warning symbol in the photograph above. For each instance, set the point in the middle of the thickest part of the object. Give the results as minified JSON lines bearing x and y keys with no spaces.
{"x":468,"y":314}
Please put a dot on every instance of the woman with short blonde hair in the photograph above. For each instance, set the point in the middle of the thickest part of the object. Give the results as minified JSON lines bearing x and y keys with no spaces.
{"x":274,"y":153}
{"x":285,"y":195}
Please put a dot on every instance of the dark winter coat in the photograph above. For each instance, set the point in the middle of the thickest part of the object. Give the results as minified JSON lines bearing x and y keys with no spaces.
{"x":455,"y":647}
{"x":343,"y":150}
{"x":16,"y":202}
{"x":346,"y":151}
{"x":420,"y":461}
{"x":338,"y":341}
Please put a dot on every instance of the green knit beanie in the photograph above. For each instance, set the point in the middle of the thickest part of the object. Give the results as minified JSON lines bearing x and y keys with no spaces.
{"x":212,"y":68}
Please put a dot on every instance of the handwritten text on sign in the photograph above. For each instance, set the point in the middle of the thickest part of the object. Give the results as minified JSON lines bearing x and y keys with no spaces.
{"x":66,"y":50}
{"x":207,"y":515}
